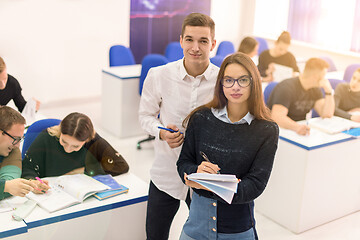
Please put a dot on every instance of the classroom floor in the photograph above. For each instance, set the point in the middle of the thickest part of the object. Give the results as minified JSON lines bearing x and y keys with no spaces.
{"x":140,"y":161}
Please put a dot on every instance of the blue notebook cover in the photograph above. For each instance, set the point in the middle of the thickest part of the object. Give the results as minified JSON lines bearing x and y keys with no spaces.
{"x":115,"y":190}
{"x":355,"y":132}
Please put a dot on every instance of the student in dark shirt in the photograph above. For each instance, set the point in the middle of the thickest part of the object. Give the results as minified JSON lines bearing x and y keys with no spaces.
{"x":236,"y":133}
{"x":10,"y":89}
{"x":70,"y":148}
{"x":347,"y":98}
{"x":293,"y":98}
{"x":278,"y":54}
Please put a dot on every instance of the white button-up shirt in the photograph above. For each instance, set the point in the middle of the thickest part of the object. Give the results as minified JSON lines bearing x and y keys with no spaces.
{"x":170,"y":91}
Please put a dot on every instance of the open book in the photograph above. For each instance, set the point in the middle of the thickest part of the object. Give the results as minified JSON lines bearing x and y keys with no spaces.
{"x":332,"y":125}
{"x":66,"y":191}
{"x":223,"y":185}
{"x":115,"y":187}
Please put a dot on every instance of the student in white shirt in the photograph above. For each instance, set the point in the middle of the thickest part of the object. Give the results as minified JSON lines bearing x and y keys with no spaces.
{"x":173,"y":91}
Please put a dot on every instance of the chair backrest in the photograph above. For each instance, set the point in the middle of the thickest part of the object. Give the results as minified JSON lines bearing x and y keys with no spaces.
{"x":225,"y":48}
{"x":332,"y":67}
{"x":120,"y":55}
{"x":149,"y":61}
{"x":174,"y":51}
{"x":217,"y":60}
{"x":349,"y":71}
{"x":268,"y":89}
{"x":263,"y":45}
{"x":34,"y":130}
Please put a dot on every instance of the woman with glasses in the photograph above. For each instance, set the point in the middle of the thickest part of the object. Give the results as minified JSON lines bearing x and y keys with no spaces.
{"x":238,"y":137}
{"x":70,"y":148}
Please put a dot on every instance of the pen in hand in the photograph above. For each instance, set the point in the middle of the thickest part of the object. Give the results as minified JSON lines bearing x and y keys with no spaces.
{"x":169,"y":129}
{"x":41,"y":181}
{"x":206,"y":159}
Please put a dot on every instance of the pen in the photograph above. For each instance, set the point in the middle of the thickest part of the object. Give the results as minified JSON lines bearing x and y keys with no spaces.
{"x":37,"y":178}
{"x":168,"y":129}
{"x":206,"y":158}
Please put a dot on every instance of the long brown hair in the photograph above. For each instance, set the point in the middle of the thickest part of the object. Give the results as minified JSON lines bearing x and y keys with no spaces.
{"x":256,"y":102}
{"x":76,"y":125}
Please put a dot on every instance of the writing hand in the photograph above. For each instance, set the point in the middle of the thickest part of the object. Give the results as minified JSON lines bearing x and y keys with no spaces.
{"x":208,"y":167}
{"x":303,"y":129}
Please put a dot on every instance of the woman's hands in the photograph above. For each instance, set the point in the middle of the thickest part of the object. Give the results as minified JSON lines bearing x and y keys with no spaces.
{"x":19,"y":187}
{"x":208,"y":167}
{"x":40,"y":186}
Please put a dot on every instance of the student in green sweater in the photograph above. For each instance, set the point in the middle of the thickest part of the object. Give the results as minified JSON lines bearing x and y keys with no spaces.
{"x":12,"y":126}
{"x":64,"y":149}
{"x":237,"y":135}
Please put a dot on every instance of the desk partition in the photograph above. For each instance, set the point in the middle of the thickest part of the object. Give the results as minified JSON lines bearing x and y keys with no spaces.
{"x":315,"y":179}
{"x":120,"y":100}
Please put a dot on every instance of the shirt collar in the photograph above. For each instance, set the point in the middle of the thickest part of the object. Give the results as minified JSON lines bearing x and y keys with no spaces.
{"x":222,"y":113}
{"x":205,"y":75}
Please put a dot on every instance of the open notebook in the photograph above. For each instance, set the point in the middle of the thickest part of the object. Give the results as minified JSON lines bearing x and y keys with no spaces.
{"x":332,"y":125}
{"x":66,"y":191}
{"x":223,"y":185}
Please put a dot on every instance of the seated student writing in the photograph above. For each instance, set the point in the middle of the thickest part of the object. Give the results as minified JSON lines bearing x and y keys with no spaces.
{"x":70,"y":148}
{"x":279,"y":54}
{"x":293,"y":98}
{"x":347,"y":98}
{"x":236,"y":133}
{"x":12,"y":126}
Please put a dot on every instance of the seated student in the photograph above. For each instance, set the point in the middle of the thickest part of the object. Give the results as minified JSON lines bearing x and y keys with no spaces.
{"x":10,"y":89}
{"x":249,"y":46}
{"x":12,"y":126}
{"x":347,"y":98}
{"x":293,"y":98}
{"x":70,"y":148}
{"x":278,"y":54}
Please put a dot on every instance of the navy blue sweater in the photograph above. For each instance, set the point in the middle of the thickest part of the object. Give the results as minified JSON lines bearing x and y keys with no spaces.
{"x":244,"y":150}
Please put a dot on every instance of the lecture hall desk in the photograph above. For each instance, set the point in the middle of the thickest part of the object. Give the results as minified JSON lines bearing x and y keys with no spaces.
{"x":315,"y":179}
{"x":119,"y":217}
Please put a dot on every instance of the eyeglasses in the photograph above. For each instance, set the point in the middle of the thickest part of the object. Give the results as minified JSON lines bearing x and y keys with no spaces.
{"x":16,"y":140}
{"x":243,"y":81}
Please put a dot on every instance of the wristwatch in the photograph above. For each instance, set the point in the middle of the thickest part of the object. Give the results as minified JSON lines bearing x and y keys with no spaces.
{"x":330,"y":93}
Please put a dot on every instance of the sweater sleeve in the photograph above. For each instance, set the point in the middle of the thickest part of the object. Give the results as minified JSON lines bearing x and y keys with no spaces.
{"x":254,"y":182}
{"x":18,"y":97}
{"x":111,"y":160}
{"x":34,"y":160}
{"x":187,"y":158}
{"x":10,"y":169}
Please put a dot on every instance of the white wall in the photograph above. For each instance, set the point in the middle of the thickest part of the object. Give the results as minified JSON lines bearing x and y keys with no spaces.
{"x":57,"y":48}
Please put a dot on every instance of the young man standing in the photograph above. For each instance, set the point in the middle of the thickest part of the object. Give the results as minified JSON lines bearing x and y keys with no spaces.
{"x":293,"y":98}
{"x":171,"y":92}
{"x":12,"y":126}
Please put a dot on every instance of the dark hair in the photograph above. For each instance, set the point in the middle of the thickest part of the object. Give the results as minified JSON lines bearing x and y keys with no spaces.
{"x":247,"y":45}
{"x":284,"y":37}
{"x":256,"y":102}
{"x":9,"y":117}
{"x":198,"y":20}
{"x":78,"y":125}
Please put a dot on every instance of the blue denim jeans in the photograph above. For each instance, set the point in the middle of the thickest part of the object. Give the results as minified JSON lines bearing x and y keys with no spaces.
{"x":202,"y":222}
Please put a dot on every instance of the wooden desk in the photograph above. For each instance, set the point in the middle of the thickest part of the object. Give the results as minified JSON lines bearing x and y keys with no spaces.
{"x":315,"y":180}
{"x":120,"y":217}
{"x":120,"y":100}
